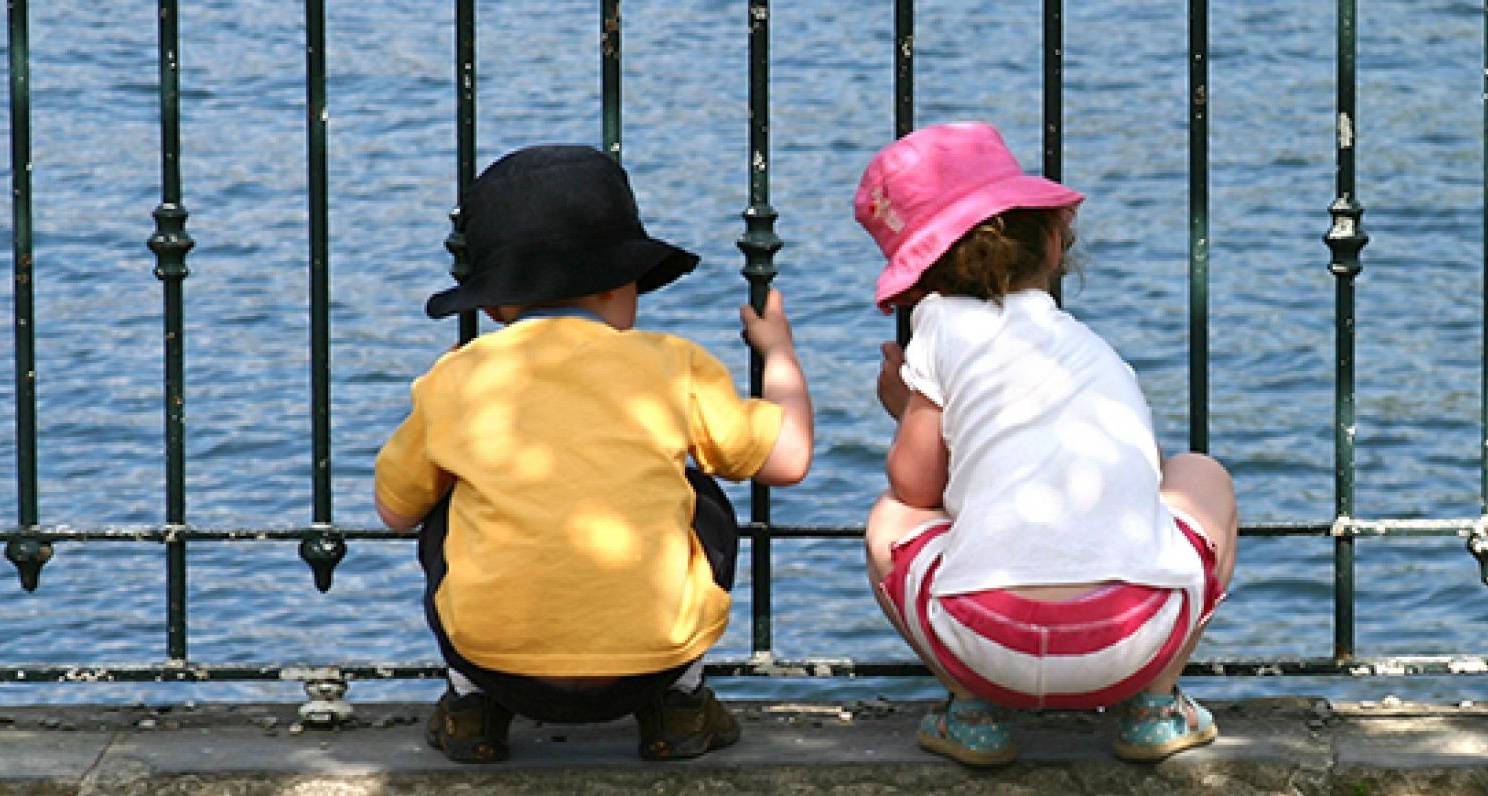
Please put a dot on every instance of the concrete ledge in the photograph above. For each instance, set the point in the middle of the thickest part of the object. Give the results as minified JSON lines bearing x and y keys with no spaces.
{"x":1286,"y":745}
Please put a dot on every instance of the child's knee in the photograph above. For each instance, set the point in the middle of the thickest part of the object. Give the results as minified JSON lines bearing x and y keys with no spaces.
{"x":889,"y":521}
{"x":878,"y":548}
{"x":880,"y":533}
{"x":1201,"y":480}
{"x":1195,"y":465}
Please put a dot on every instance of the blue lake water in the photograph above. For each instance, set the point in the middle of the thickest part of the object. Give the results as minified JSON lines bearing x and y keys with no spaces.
{"x":392,"y":164}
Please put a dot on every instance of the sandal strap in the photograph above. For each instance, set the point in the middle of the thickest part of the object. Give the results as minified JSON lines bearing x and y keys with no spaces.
{"x":972,"y":712}
{"x":1181,"y":705}
{"x":1185,"y":705}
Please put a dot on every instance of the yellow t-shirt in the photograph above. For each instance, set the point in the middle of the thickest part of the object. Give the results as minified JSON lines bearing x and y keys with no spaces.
{"x":570,"y":549}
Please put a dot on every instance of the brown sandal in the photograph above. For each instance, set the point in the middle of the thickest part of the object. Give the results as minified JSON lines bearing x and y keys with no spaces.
{"x":469,"y":729}
{"x":676,"y":725}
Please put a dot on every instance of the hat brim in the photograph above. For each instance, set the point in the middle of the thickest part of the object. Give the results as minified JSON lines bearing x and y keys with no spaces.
{"x":921,"y":248}
{"x":646,"y":261}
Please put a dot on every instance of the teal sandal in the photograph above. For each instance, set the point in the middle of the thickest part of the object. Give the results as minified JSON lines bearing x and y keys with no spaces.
{"x":967,"y":731}
{"x":1153,"y":726}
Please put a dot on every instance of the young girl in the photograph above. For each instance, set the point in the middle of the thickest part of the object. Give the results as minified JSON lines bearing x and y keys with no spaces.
{"x":1033,"y":547}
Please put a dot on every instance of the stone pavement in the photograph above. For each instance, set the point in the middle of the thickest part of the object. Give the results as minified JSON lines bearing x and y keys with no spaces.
{"x":1283,"y":745}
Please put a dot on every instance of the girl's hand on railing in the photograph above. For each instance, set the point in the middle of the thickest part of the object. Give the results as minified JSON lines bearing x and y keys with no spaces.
{"x":893,"y":393}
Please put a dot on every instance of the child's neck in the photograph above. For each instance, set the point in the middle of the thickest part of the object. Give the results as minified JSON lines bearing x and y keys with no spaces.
{"x":614,"y":307}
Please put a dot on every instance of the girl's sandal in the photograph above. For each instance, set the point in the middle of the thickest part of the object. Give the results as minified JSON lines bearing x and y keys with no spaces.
{"x":1153,"y":726}
{"x":965,"y":730}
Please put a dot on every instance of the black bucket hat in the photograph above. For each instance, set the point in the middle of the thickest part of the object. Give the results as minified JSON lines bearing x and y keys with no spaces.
{"x":554,"y":222}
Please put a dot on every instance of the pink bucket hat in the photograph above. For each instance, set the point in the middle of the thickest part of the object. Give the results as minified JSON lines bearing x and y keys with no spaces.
{"x":923,"y":192}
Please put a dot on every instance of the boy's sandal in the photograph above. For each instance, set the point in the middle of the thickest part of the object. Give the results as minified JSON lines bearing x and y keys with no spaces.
{"x":1153,"y":726}
{"x":678,"y":725}
{"x":469,"y":729}
{"x":967,"y":731}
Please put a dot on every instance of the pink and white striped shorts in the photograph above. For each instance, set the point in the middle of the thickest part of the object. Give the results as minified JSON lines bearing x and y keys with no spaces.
{"x":1087,"y":652}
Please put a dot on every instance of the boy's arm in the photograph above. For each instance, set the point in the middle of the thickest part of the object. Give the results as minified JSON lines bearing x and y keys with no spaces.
{"x":392,"y":519}
{"x":406,"y":483}
{"x":784,"y":385}
{"x":919,"y":462}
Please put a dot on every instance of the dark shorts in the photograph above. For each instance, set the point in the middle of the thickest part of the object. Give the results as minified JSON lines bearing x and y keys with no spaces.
{"x":717,"y":530}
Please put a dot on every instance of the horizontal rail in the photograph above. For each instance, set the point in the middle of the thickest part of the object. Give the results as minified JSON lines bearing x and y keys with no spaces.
{"x":756,"y":666}
{"x":1462,"y":528}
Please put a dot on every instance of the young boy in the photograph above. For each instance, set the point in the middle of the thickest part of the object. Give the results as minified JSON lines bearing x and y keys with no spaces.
{"x":577,"y":567}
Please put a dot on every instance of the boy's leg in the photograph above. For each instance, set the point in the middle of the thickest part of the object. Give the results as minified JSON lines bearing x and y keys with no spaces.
{"x":686,"y":720}
{"x":432,"y":533}
{"x":466,"y":724}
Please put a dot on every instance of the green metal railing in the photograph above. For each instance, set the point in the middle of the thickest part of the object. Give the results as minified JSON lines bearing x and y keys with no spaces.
{"x":759,"y":245}
{"x":30,"y":543}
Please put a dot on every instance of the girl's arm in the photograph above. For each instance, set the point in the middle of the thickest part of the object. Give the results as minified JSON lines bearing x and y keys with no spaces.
{"x":919,"y":463}
{"x":893,"y":393}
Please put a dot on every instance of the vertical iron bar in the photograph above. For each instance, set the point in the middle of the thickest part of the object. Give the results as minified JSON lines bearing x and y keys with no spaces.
{"x":1345,"y":238}
{"x":1198,"y":225}
{"x":25,"y":315}
{"x":903,"y":67}
{"x":324,"y":548}
{"x":1054,"y":89}
{"x":464,"y":148}
{"x":609,"y":70}
{"x":465,"y":91}
{"x":1054,"y":102}
{"x":30,"y":553}
{"x":320,"y":340}
{"x":903,"y":107}
{"x":170,"y":243}
{"x":759,"y":244}
{"x":1483,"y":369}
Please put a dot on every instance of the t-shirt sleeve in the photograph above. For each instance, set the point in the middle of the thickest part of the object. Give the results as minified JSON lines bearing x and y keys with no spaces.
{"x":408,"y":482}
{"x":919,"y":371}
{"x":728,"y":435}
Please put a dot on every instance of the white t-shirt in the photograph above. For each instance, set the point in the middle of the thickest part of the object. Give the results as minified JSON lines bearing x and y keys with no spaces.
{"x":1054,"y":467}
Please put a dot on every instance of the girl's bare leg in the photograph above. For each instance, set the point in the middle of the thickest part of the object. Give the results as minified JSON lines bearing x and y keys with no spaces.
{"x":888,"y":522}
{"x":1200,"y":487}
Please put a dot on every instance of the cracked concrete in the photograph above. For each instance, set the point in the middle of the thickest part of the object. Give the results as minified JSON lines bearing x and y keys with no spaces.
{"x":1284,"y":745}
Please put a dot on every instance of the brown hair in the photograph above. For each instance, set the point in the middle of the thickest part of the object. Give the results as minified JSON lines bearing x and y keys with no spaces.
{"x":1000,"y":255}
